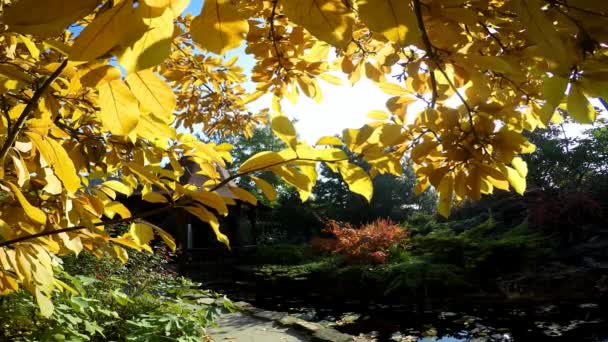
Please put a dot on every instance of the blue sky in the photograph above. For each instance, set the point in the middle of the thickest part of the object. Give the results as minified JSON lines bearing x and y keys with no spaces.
{"x":194,"y":7}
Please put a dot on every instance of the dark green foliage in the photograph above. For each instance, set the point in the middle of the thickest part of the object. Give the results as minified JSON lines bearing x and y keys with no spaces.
{"x":483,"y":249}
{"x":280,"y":254}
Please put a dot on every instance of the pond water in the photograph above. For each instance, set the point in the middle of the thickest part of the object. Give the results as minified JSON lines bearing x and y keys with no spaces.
{"x":453,"y":323}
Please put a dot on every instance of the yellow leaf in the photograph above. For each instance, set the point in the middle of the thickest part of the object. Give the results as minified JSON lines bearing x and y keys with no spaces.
{"x":212,"y":200}
{"x":167,"y":238}
{"x":330,"y":141}
{"x":392,"y":88}
{"x":44,"y":304}
{"x":119,"y":109}
{"x":379,"y":115}
{"x":284,"y":130}
{"x":154,"y":197}
{"x":118,"y":187}
{"x":553,"y":91}
{"x":31,"y":47}
{"x":155,"y":130}
{"x":393,"y":18}
{"x":53,"y":184}
{"x":260,"y":161}
{"x":515,"y":179}
{"x":220,"y":27}
{"x":75,"y":244}
{"x":357,"y":179}
{"x":153,"y":93}
{"x":56,"y":156}
{"x":541,"y":29}
{"x":331,"y":79}
{"x":244,"y":195}
{"x":63,"y":286}
{"x":99,"y":74}
{"x":176,"y":6}
{"x":293,"y":177}
{"x":422,"y":149}
{"x":579,"y":108}
{"x":121,"y":254}
{"x":206,"y":216}
{"x":520,"y":166}
{"x":23,"y":175}
{"x":34,"y":213}
{"x":45,"y":18}
{"x":141,"y":233}
{"x":267,"y":189}
{"x":446,"y":191}
{"x":114,"y":27}
{"x":329,"y":20}
{"x":114,"y":208}
{"x":153,"y":46}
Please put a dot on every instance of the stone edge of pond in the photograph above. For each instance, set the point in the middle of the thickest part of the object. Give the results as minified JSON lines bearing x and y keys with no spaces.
{"x":315,"y":331}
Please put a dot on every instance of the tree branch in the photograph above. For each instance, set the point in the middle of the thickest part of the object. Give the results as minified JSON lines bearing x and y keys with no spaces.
{"x":242,"y":174}
{"x":33,"y":102}
{"x":76,"y":228}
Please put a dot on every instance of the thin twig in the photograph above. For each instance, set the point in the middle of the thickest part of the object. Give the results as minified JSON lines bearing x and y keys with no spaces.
{"x":494,"y":36}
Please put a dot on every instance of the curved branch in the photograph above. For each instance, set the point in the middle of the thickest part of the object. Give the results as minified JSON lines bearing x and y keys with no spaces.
{"x":76,"y":228}
{"x":14,"y":133}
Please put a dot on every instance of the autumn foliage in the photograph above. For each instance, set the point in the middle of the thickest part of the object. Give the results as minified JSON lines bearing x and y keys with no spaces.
{"x":92,"y":93}
{"x":369,"y":243}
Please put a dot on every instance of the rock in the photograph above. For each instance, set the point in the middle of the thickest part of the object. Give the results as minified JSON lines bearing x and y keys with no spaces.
{"x":270,"y":315}
{"x":330,"y":335}
{"x":244,"y":306}
{"x":301,"y":324}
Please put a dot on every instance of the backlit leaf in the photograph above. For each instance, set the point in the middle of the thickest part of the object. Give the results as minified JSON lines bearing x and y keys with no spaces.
{"x":141,"y":233}
{"x":395,"y":19}
{"x":154,"y":45}
{"x":56,"y":156}
{"x":117,"y":26}
{"x":220,"y":27}
{"x":153,"y":93}
{"x":45,"y":18}
{"x":329,"y":20}
{"x":44,"y":304}
{"x":260,"y":161}
{"x":267,"y":189}
{"x":446,"y":191}
{"x":119,"y":109}
{"x":579,"y":107}
{"x":284,"y":130}
{"x":357,"y":179}
{"x":31,"y":211}
{"x":205,"y":216}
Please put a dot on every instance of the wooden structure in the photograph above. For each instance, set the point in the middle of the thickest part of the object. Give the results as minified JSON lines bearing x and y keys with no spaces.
{"x":196,"y":241}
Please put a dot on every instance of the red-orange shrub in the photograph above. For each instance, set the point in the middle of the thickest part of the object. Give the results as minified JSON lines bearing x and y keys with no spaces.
{"x":368,"y":243}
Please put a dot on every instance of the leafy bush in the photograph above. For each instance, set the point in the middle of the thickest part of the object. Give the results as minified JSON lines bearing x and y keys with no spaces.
{"x":138,"y":301}
{"x":368,"y":244}
{"x":280,"y":254}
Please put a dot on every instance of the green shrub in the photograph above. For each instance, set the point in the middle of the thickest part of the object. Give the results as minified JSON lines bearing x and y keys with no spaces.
{"x":108,"y":301}
{"x":280,"y":254}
